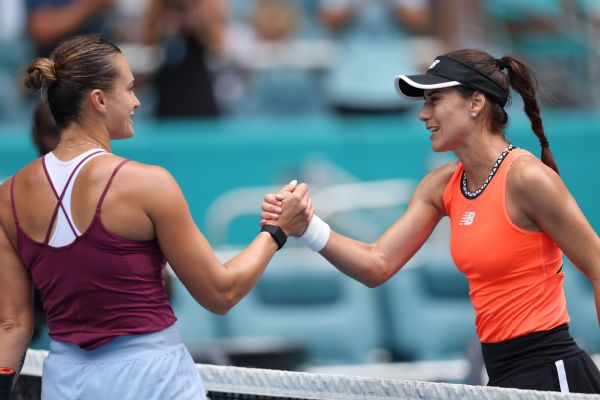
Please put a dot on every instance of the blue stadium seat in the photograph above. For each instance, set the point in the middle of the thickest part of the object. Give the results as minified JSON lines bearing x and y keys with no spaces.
{"x":520,"y":10}
{"x":196,"y":325}
{"x":302,"y":298}
{"x":550,"y":38}
{"x":282,"y":91}
{"x":430,"y":313}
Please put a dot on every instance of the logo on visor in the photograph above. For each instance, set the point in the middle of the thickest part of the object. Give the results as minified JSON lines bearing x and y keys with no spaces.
{"x":433,"y":64}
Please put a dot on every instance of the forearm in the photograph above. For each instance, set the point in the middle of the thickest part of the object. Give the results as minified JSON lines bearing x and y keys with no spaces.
{"x":356,"y":259}
{"x":244,"y":270}
{"x":596,"y":286}
{"x":14,"y":339}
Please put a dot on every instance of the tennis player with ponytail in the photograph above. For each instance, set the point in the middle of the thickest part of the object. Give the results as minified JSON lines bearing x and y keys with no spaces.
{"x":511,"y":218}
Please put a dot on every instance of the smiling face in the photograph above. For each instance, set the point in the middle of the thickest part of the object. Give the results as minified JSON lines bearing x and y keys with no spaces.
{"x":447,"y":115}
{"x":121,"y":101}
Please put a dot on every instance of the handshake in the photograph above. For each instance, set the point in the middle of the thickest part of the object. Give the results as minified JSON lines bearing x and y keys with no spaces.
{"x":291,"y":209}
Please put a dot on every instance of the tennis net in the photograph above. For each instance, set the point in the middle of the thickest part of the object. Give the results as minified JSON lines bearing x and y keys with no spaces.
{"x":225,"y":383}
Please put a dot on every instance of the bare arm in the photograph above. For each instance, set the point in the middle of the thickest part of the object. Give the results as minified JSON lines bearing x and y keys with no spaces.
{"x":543,"y":199}
{"x":47,"y":25}
{"x":373,"y":264}
{"x":16,"y":312}
{"x":216,"y":286}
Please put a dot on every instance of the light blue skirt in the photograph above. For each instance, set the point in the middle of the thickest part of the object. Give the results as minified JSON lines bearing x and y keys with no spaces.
{"x":154,"y":366}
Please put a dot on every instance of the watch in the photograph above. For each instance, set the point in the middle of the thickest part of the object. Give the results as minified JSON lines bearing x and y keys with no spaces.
{"x":277,"y":234}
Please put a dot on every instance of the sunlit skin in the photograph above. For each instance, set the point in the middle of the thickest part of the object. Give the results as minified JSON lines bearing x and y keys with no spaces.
{"x":105,"y":115}
{"x":456,"y":124}
{"x":536,"y":197}
{"x":121,"y":102}
{"x":144,"y":202}
{"x":446,"y":116}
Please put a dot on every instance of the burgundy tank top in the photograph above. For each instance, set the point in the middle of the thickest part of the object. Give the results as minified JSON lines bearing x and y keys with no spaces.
{"x":100,"y":286}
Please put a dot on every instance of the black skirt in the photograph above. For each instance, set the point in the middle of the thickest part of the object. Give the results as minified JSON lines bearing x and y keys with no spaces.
{"x":548,"y":360}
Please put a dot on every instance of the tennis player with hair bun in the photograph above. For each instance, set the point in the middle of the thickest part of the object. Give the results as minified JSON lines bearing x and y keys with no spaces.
{"x":93,"y":232}
{"x":511,"y":218}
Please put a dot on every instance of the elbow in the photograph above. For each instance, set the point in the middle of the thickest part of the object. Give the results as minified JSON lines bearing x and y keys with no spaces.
{"x":377,"y":276}
{"x":220,"y":309}
{"x":373,"y":282}
{"x":16,"y":326}
{"x":225,"y":303}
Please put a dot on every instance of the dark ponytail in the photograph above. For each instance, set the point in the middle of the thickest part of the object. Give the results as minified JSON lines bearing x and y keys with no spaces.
{"x":507,"y":71}
{"x":523,"y":81}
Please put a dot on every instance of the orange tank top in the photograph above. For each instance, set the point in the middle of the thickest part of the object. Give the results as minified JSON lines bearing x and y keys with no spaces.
{"x":515,"y":276}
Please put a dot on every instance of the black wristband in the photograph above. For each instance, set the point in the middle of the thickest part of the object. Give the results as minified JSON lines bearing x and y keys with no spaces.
{"x":277,"y":234}
{"x":7,"y":375}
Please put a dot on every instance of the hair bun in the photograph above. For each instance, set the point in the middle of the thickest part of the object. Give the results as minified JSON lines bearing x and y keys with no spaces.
{"x":41,"y":73}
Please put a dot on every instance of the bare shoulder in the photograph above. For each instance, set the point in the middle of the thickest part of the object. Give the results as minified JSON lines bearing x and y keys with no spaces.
{"x":149,"y":185}
{"x":431,"y":188}
{"x":5,"y":198}
{"x":534,"y":187}
{"x":26,"y":175}
{"x":132,"y":175}
{"x":529,"y":176}
{"x":437,"y":179}
{"x":443,"y":173}
{"x":146,"y":174}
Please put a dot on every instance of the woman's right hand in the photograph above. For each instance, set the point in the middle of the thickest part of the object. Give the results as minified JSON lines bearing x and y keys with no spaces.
{"x":271,"y":206}
{"x":291,"y":209}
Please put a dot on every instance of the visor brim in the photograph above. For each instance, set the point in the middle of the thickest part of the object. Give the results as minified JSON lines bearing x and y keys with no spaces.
{"x":413,"y":86}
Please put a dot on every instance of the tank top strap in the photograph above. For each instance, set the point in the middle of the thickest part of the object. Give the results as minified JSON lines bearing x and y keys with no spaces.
{"x":450,"y":189}
{"x":59,"y":204}
{"x":12,"y":199}
{"x":503,"y":172}
{"x":101,"y":200}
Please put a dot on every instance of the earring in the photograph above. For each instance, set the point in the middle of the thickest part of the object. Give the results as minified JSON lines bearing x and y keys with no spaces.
{"x":473,"y":114}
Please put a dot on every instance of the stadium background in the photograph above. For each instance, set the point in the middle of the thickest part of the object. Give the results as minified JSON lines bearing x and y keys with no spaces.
{"x":282,"y":118}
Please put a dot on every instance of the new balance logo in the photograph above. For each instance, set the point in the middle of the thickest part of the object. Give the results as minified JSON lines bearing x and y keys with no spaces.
{"x":434,"y":63}
{"x":467,"y":218}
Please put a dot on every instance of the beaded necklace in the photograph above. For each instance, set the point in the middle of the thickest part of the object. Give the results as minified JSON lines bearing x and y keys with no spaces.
{"x":472,"y":195}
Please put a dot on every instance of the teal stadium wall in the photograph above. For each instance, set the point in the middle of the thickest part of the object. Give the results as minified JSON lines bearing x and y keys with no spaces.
{"x":208,"y":158}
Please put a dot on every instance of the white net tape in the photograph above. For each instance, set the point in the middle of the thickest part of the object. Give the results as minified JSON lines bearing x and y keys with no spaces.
{"x":303,"y":385}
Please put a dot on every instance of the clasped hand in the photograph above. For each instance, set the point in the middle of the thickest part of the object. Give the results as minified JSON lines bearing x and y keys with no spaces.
{"x":291,"y":209}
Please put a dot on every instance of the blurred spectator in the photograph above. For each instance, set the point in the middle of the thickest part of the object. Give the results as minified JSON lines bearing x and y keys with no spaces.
{"x":50,"y":21}
{"x":14,"y":51}
{"x":549,"y":35}
{"x":12,"y":19}
{"x":280,"y":62}
{"x":274,"y":20}
{"x":459,"y":24}
{"x":188,"y":30}
{"x":377,"y":18}
{"x":368,"y":32}
{"x":127,"y":21}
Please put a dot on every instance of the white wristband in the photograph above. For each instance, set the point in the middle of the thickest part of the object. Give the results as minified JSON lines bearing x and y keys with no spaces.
{"x":316,"y":235}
